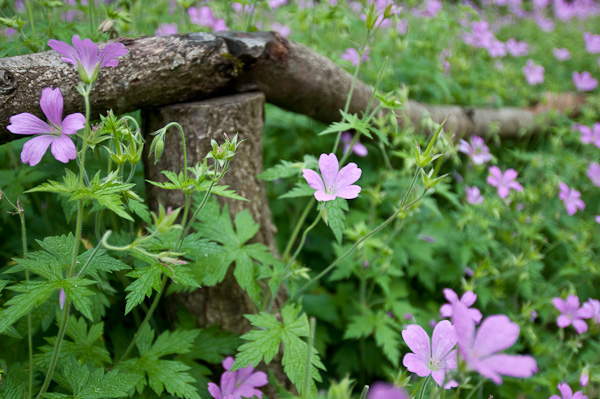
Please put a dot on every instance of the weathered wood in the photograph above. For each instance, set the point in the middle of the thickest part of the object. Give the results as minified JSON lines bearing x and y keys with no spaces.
{"x":172,"y":69}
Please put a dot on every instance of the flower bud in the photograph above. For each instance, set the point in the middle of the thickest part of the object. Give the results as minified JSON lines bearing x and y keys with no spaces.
{"x":106,"y":26}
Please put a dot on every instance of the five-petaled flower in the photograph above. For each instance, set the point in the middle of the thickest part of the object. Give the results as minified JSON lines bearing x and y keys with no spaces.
{"x":503,"y":181}
{"x":476,"y":150}
{"x":473,"y":195}
{"x":479,"y":350}
{"x":238,"y":384}
{"x":467,"y":299}
{"x":571,"y":198}
{"x":534,"y":74}
{"x":433,"y":358}
{"x":382,"y":390}
{"x":86,"y":56}
{"x":571,"y":313}
{"x":584,"y":81}
{"x":589,"y":135}
{"x":567,"y":393}
{"x":335,"y":182}
{"x":53,"y":134}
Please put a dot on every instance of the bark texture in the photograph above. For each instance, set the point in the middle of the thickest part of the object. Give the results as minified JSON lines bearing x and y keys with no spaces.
{"x":166,"y":70}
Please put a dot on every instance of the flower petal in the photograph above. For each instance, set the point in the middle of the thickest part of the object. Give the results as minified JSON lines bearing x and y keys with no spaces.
{"x":559,"y":304}
{"x":348,"y":192}
{"x":110,"y":53}
{"x":87,"y":53}
{"x":63,"y":149}
{"x":442,"y":340}
{"x":415,"y":364}
{"x":446,"y":310}
{"x":323,"y":196}
{"x":73,"y":123}
{"x":450,"y":295}
{"x":475,"y":315}
{"x":563,"y":321}
{"x":52,"y":105}
{"x":464,"y":326}
{"x":572,"y":303}
{"x":512,"y":365}
{"x":27,"y":123}
{"x":565,"y":390}
{"x":348,"y":175}
{"x":496,"y":333}
{"x":228,"y":362}
{"x":313,"y":179}
{"x":510,"y":174}
{"x":469,"y":297}
{"x":62,"y":48}
{"x":418,"y":341}
{"x":34,"y":149}
{"x":329,"y":166}
{"x":214,"y":390}
{"x":496,"y":172}
{"x":580,"y":326}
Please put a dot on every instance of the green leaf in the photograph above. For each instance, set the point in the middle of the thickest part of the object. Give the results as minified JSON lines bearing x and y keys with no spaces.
{"x":96,"y":385}
{"x":140,"y":209}
{"x":301,"y":189}
{"x":387,"y":338}
{"x":219,"y":189}
{"x":214,"y":344}
{"x":70,"y":185}
{"x":77,"y":293}
{"x":101,"y":262}
{"x":52,"y":261}
{"x":34,"y":293}
{"x":336,"y":217}
{"x":147,"y":279}
{"x":281,"y":171}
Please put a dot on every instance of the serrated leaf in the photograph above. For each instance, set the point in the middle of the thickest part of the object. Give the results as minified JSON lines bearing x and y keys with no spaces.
{"x":140,"y":209}
{"x":213,"y":344}
{"x":301,"y":189}
{"x":220,"y":190}
{"x":33,"y":294}
{"x":147,"y":279}
{"x":336,"y":217}
{"x":387,"y":338}
{"x":77,"y":293}
{"x":101,"y":262}
{"x":96,"y":385}
{"x":281,"y":171}
{"x":69,"y":185}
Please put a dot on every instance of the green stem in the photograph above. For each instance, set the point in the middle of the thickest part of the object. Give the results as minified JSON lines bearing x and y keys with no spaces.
{"x":309,"y":350}
{"x":299,"y":224}
{"x":186,"y":211}
{"x":481,"y":381}
{"x":363,"y":395}
{"x":86,"y":97}
{"x":78,"y":227}
{"x":89,"y":261}
{"x":423,"y":386}
{"x":197,"y":212}
{"x":300,"y":246}
{"x":146,"y":319}
{"x":54,"y":359}
{"x":30,"y":17}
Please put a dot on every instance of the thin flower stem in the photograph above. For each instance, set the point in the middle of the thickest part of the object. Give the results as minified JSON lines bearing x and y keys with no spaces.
{"x":54,"y":359}
{"x":363,"y":395}
{"x":145,"y":321}
{"x":300,"y":246}
{"x":186,"y":211}
{"x":423,"y":387}
{"x":299,"y":223}
{"x":29,"y":338}
{"x":182,"y":145}
{"x":78,"y":226}
{"x":309,"y":350}
{"x":479,"y":385}
{"x":197,"y":212}
{"x":30,"y":18}
{"x":86,"y":96}
{"x":89,"y":261}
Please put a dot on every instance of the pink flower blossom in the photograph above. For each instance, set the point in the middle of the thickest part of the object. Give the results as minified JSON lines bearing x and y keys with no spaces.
{"x":545,"y":24}
{"x":62,"y":298}
{"x":504,"y":182}
{"x":541,"y":4}
{"x":335,"y":182}
{"x":239,"y":8}
{"x":480,"y":36}
{"x":571,"y":198}
{"x":593,"y":173}
{"x":358,"y":148}
{"x":274,"y":4}
{"x":238,"y":384}
{"x":166,"y":29}
{"x":202,"y":16}
{"x":585,"y":377}
{"x":219,"y":25}
{"x":435,"y":357}
{"x":283,"y":30}
{"x":584,"y":81}
{"x":473,"y":195}
{"x":351,"y":55}
{"x":476,"y":150}
{"x":589,"y":135}
{"x":402,"y":27}
{"x":86,"y":56}
{"x":567,"y":393}
{"x":561,"y":54}
{"x":597,"y":219}
{"x":593,"y":306}
{"x":381,"y":390}
{"x":479,"y":350}
{"x":54,"y":135}
{"x":534,"y":74}
{"x":571,"y":313}
{"x":432,"y":8}
{"x":496,"y":48}
{"x":516,"y":48}
{"x":592,"y":43}
{"x":467,"y":299}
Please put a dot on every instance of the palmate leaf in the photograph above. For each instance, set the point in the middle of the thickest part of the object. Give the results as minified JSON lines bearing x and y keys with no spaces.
{"x":51,"y":261}
{"x":69,"y":185}
{"x":281,"y":171}
{"x":34,"y":293}
{"x":386,"y":337}
{"x":76,"y":292}
{"x":301,"y":189}
{"x":147,"y":279}
{"x":101,"y":262}
{"x":336,"y":217}
{"x":218,"y":189}
{"x":213,"y":344}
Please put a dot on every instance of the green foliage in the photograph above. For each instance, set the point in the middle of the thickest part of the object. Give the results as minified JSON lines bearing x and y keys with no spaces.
{"x":336,"y":216}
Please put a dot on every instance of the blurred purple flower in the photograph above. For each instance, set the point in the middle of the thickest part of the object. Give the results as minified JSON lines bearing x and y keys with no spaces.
{"x":202,"y":16}
{"x":571,"y":313}
{"x":335,"y":182}
{"x":480,"y":35}
{"x":571,"y":198}
{"x":585,"y":377}
{"x":238,"y":384}
{"x":239,"y":8}
{"x":382,"y":390}
{"x":86,"y":56}
{"x":432,"y":8}
{"x":435,"y":357}
{"x":426,"y":238}
{"x":351,"y":55}
{"x":592,"y":43}
{"x":473,"y":195}
{"x":561,"y":54}
{"x":567,"y":393}
{"x":219,"y":25}
{"x":534,"y":74}
{"x":584,"y":81}
{"x":62,"y":298}
{"x":533,"y":315}
{"x":358,"y":148}
{"x":545,"y":24}
{"x":54,"y":134}
{"x":408,"y":316}
{"x":516,"y":48}
{"x":274,"y":4}
{"x":504,"y":182}
{"x":479,"y":350}
{"x":467,"y":299}
{"x":589,"y":135}
{"x":541,"y":4}
{"x":593,"y":306}
{"x":283,"y":30}
{"x":496,"y":48}
{"x":476,"y":150}
{"x":402,"y":27}
{"x":165,"y":29}
{"x":9,"y":32}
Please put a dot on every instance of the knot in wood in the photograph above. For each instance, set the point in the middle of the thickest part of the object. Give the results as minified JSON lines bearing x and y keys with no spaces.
{"x":8,"y":83}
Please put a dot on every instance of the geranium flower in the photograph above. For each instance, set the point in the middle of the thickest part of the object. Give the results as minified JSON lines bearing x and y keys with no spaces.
{"x":571,"y":313}
{"x":358,"y":148}
{"x":202,"y":16}
{"x":567,"y":393}
{"x":571,"y":198}
{"x":381,"y":390}
{"x":589,"y":135}
{"x":86,"y":56}
{"x":476,"y":150}
{"x":584,"y":379}
{"x":351,"y":54}
{"x":467,"y":299}
{"x":516,"y":48}
{"x":335,"y":182}
{"x":166,"y":29}
{"x":433,"y":358}
{"x":53,"y":135}
{"x":283,"y":30}
{"x":584,"y":81}
{"x":534,"y":74}
{"x":593,"y":306}
{"x":561,"y":54}
{"x":504,"y":181}
{"x":479,"y":349}
{"x":593,"y":173}
{"x":238,"y":384}
{"x":592,"y":43}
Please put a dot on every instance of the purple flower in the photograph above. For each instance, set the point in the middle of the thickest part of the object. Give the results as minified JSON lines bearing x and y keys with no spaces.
{"x":432,"y":8}
{"x":571,"y":198}
{"x":534,"y":74}
{"x":473,"y":195}
{"x":567,"y":393}
{"x":351,"y":55}
{"x":202,"y":16}
{"x":561,"y":54}
{"x":239,"y":8}
{"x":589,"y":135}
{"x":402,"y":27}
{"x":166,"y":29}
{"x":593,"y":306}
{"x":571,"y":313}
{"x":467,"y":299}
{"x":516,"y":48}
{"x":335,"y":182}
{"x":433,"y":358}
{"x":283,"y":30}
{"x":238,"y":384}
{"x":592,"y":43}
{"x":479,"y":350}
{"x":219,"y":25}
{"x":496,"y":48}
{"x":504,"y":181}
{"x":381,"y":390}
{"x":477,"y":150}
{"x":584,"y":82}
{"x":358,"y":148}
{"x":54,"y":134}
{"x":585,"y":377}
{"x":86,"y":56}
{"x":62,"y":298}
{"x":545,"y":24}
{"x":8,"y":32}
{"x":274,"y":4}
